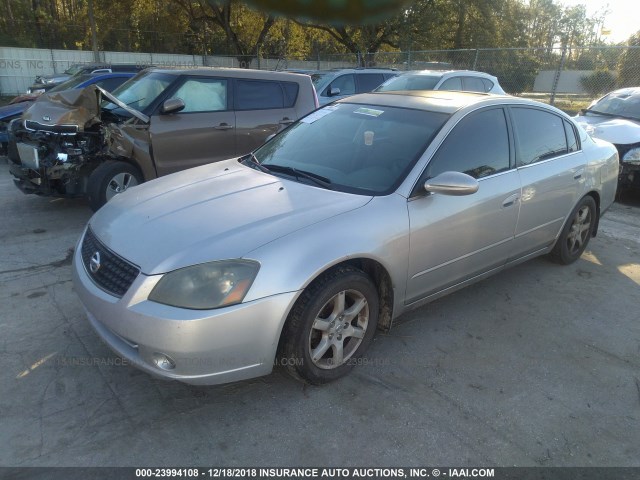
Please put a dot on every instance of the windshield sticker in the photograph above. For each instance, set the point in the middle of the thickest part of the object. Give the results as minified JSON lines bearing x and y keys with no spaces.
{"x":369,"y":111}
{"x":318,"y":114}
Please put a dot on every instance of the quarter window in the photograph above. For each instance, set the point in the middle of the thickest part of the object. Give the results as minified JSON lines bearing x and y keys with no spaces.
{"x":477,"y":146}
{"x":258,"y":95}
{"x":454,"y":83}
{"x":540,"y":135}
{"x":203,"y":95}
{"x":473,"y":84}
{"x":572,"y":141}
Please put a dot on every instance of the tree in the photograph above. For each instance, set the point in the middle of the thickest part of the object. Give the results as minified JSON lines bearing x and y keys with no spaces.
{"x":629,"y":66}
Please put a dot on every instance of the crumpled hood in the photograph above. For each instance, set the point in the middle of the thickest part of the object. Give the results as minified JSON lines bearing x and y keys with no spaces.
{"x":79,"y":107}
{"x":619,"y":131}
{"x":214,"y":212}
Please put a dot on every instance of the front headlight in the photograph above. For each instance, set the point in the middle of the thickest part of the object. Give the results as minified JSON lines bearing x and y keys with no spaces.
{"x":206,"y":286}
{"x":632,"y":156}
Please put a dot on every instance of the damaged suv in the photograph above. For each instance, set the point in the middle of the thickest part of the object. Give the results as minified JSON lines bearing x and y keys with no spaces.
{"x":93,"y":143}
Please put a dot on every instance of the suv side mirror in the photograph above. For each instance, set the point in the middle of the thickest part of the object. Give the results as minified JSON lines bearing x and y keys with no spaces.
{"x":334,"y":91}
{"x":173,"y":105}
{"x":452,"y":183}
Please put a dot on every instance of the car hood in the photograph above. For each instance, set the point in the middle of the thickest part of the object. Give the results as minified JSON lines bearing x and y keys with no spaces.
{"x":214,"y":212}
{"x":615,"y":130}
{"x":9,"y":111}
{"x":79,"y":107}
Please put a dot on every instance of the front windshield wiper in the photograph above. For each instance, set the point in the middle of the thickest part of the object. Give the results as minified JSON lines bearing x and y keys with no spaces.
{"x":606,"y":114}
{"x":323,"y":182}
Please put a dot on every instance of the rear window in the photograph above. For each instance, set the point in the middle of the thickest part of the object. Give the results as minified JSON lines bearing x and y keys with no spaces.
{"x":258,"y":95}
{"x":290,"y":93}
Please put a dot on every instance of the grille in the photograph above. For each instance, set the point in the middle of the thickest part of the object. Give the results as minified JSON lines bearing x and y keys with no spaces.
{"x":115,"y":274}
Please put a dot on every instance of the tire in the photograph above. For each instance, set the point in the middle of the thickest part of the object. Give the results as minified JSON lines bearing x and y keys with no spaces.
{"x":332,"y":324}
{"x":110,"y":179}
{"x":575,"y":235}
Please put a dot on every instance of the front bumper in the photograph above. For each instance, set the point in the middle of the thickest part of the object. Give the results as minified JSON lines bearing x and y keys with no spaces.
{"x":629,"y":176}
{"x":200,"y":347}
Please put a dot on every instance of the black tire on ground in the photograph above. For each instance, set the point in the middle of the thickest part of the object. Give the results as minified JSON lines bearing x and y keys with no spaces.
{"x":109,"y":179}
{"x":575,"y":235}
{"x":330,"y":326}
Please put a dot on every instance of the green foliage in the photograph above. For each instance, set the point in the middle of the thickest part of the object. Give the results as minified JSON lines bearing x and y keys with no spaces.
{"x":599,"y":82}
{"x":629,"y":65}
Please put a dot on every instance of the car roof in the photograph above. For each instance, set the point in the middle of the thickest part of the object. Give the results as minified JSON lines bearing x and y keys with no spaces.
{"x":232,"y":72}
{"x":447,"y":72}
{"x":444,"y":101}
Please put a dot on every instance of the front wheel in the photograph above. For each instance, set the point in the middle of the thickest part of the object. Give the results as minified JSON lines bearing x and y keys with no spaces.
{"x":576,"y":233}
{"x":331,"y":325}
{"x":110,"y":179}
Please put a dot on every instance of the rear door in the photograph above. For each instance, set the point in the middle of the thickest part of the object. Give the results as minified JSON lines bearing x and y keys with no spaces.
{"x":262,"y":108}
{"x":552,"y":174}
{"x":453,"y":238}
{"x":203,"y":132}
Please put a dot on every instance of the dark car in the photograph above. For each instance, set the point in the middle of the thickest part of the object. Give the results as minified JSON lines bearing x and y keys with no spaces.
{"x":73,"y":143}
{"x":107,"y":81}
{"x":616,"y":118}
{"x":45,"y":83}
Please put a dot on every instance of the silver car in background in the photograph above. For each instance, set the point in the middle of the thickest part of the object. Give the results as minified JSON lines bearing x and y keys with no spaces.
{"x":358,"y":212}
{"x":461,"y":80}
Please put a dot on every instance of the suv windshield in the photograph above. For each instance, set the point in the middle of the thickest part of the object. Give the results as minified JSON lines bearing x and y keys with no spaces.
{"x":410,"y":82}
{"x":620,"y":104}
{"x":140,"y":91}
{"x":365,"y":149}
{"x":71,"y":83}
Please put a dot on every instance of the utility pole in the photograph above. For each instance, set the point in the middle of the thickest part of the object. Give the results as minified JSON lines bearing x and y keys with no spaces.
{"x":94,"y":36}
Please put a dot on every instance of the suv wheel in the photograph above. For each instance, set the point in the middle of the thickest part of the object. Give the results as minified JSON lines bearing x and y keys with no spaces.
{"x":110,"y":179}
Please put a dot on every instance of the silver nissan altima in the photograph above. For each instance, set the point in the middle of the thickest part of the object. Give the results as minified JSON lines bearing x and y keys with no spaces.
{"x":297,"y":253}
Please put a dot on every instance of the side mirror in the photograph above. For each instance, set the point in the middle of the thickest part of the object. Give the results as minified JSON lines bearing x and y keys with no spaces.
{"x":452,"y":183}
{"x":334,"y":91}
{"x":173,"y":105}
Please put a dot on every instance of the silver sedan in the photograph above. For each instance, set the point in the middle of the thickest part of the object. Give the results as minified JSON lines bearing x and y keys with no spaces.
{"x":297,"y":253}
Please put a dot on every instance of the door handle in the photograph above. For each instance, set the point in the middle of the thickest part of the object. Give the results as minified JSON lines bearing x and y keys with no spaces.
{"x":578,"y":174}
{"x":510,"y":200}
{"x":223,"y":126}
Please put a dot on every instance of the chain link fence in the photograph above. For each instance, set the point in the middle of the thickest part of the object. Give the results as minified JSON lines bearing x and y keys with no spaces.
{"x":558,"y":76}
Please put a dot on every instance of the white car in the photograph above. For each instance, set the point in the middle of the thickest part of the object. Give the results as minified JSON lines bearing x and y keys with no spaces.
{"x":616,"y":119}
{"x":464,"y":80}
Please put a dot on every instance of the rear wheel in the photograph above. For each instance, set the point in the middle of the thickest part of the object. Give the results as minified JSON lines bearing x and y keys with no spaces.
{"x":576,"y":233}
{"x":109,"y":180}
{"x":331,"y":325}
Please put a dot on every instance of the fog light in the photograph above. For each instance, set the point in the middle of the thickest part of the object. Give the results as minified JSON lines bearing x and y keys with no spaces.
{"x":163,"y":361}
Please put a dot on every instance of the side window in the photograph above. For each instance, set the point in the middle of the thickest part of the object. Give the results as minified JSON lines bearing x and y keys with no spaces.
{"x":488,"y":84}
{"x":473,"y":84}
{"x":346,"y":84}
{"x":540,"y":135}
{"x":110,"y":84}
{"x":290,"y":93}
{"x":258,"y":95}
{"x":451,"y":84}
{"x":572,"y":141}
{"x":478,"y":146}
{"x":203,"y":95}
{"x":369,"y":81}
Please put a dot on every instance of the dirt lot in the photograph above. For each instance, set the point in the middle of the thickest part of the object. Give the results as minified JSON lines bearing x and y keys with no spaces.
{"x":537,"y":366}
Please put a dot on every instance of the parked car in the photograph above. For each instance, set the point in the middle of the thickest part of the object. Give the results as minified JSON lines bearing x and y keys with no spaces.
{"x":159,"y":122}
{"x":356,"y":213}
{"x":616,"y":118}
{"x":44,"y":83}
{"x":107,"y":81}
{"x":333,"y":85}
{"x":464,"y":80}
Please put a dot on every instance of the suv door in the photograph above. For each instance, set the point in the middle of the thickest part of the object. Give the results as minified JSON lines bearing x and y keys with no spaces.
{"x":453,"y":239}
{"x":551,"y":172}
{"x":203,"y":132}
{"x":262,"y":108}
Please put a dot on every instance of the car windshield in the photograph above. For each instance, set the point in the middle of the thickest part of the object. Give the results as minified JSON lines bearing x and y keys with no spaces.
{"x":363,"y":149}
{"x":73,"y":69}
{"x":73,"y":82}
{"x":620,"y":104}
{"x":140,"y":91}
{"x":410,"y":82}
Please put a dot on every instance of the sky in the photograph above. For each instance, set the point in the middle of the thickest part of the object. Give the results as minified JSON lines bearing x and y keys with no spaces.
{"x":623,"y":19}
